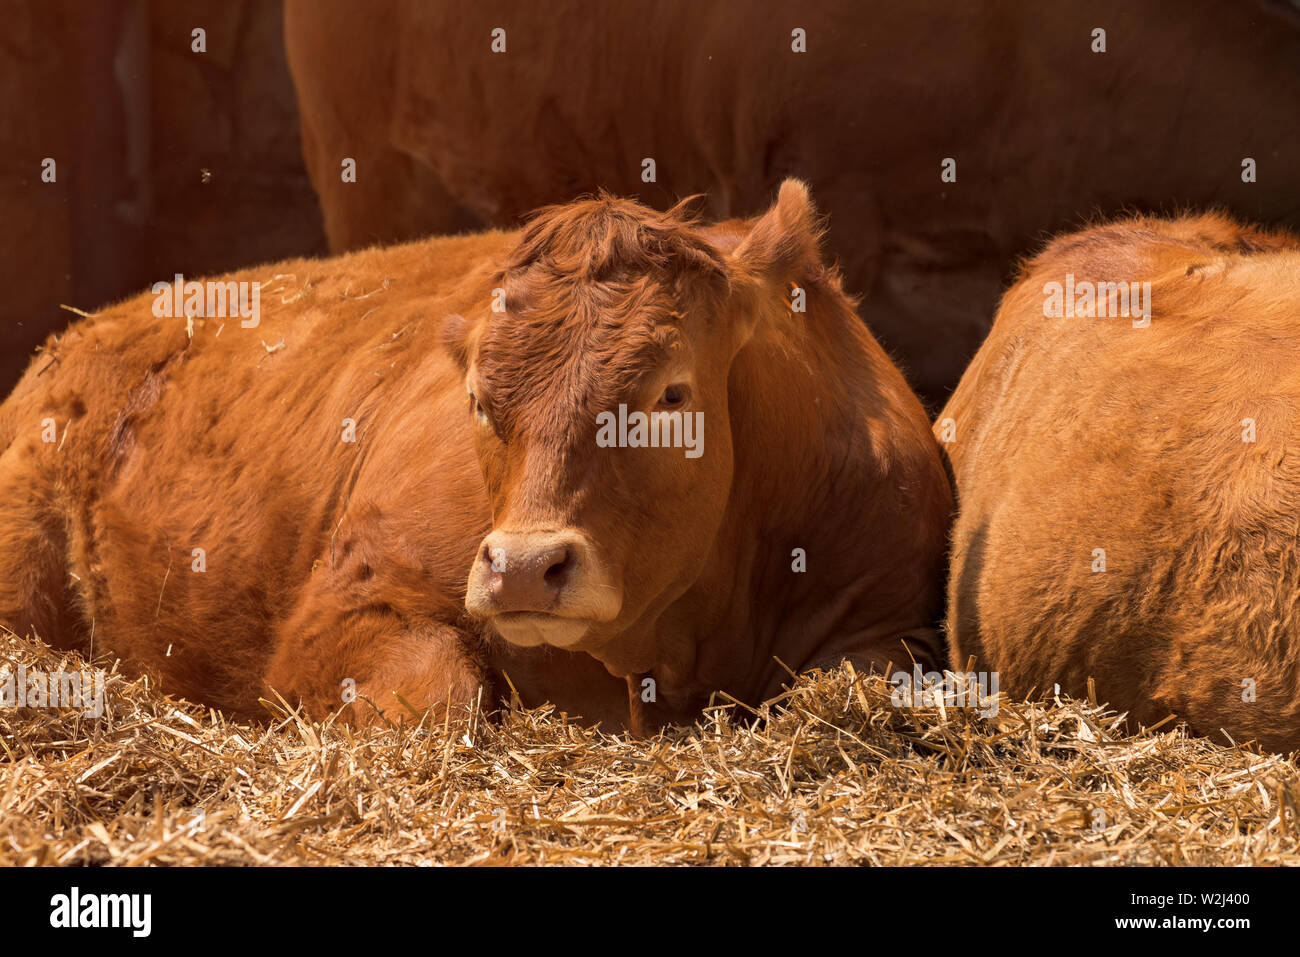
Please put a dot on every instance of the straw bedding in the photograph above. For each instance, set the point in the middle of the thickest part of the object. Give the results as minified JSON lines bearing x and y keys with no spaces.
{"x":831,"y":774}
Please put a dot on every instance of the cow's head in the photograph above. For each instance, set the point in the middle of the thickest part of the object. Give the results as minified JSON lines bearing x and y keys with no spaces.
{"x":619,"y":323}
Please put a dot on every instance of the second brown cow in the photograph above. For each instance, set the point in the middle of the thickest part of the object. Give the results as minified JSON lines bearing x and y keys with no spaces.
{"x":1128,"y":494}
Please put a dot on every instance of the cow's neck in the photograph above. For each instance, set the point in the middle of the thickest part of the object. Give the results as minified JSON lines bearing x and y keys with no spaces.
{"x":798,"y":419}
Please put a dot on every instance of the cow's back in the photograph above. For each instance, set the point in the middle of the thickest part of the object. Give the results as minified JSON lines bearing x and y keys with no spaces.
{"x":932,"y":187}
{"x":198,"y":471}
{"x":1128,"y":496}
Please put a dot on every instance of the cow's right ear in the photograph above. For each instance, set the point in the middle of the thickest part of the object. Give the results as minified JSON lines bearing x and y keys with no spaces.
{"x":784,"y":246}
{"x":458,"y":337}
{"x":781,"y":252}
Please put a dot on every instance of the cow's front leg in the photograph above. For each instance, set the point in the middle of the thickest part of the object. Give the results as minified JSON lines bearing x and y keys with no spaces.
{"x":371,"y":662}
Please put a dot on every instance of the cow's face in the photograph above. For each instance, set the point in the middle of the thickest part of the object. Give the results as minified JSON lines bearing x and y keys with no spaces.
{"x":599,"y":400}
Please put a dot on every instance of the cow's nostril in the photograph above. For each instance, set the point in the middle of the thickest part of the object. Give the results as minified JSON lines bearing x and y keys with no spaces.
{"x":494,"y":557}
{"x":558,"y":573}
{"x":527,"y":573}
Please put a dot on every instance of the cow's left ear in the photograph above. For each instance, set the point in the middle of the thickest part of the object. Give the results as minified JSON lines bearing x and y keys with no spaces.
{"x":457,"y":336}
{"x":783,"y":247}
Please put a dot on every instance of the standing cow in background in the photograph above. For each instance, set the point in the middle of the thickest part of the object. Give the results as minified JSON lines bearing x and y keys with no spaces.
{"x":296,"y":500}
{"x":944,"y":139}
{"x":1128,"y":485}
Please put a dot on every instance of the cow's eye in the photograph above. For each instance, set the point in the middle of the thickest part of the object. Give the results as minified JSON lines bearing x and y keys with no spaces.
{"x":480,"y":413}
{"x":674,"y":397}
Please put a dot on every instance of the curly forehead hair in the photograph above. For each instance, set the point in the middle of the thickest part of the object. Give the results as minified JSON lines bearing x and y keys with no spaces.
{"x":613,"y":243}
{"x":594,"y":294}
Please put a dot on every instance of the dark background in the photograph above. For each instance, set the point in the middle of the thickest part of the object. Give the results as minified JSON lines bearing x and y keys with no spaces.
{"x":130,"y":205}
{"x":171,"y":161}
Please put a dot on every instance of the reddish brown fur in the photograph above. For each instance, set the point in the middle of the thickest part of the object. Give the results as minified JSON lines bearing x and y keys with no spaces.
{"x":447,"y":132}
{"x":329,"y":560}
{"x":1077,"y":434}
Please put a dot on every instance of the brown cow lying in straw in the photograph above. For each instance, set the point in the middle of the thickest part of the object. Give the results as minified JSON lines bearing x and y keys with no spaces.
{"x":663,"y":454}
{"x":1129,"y":500}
